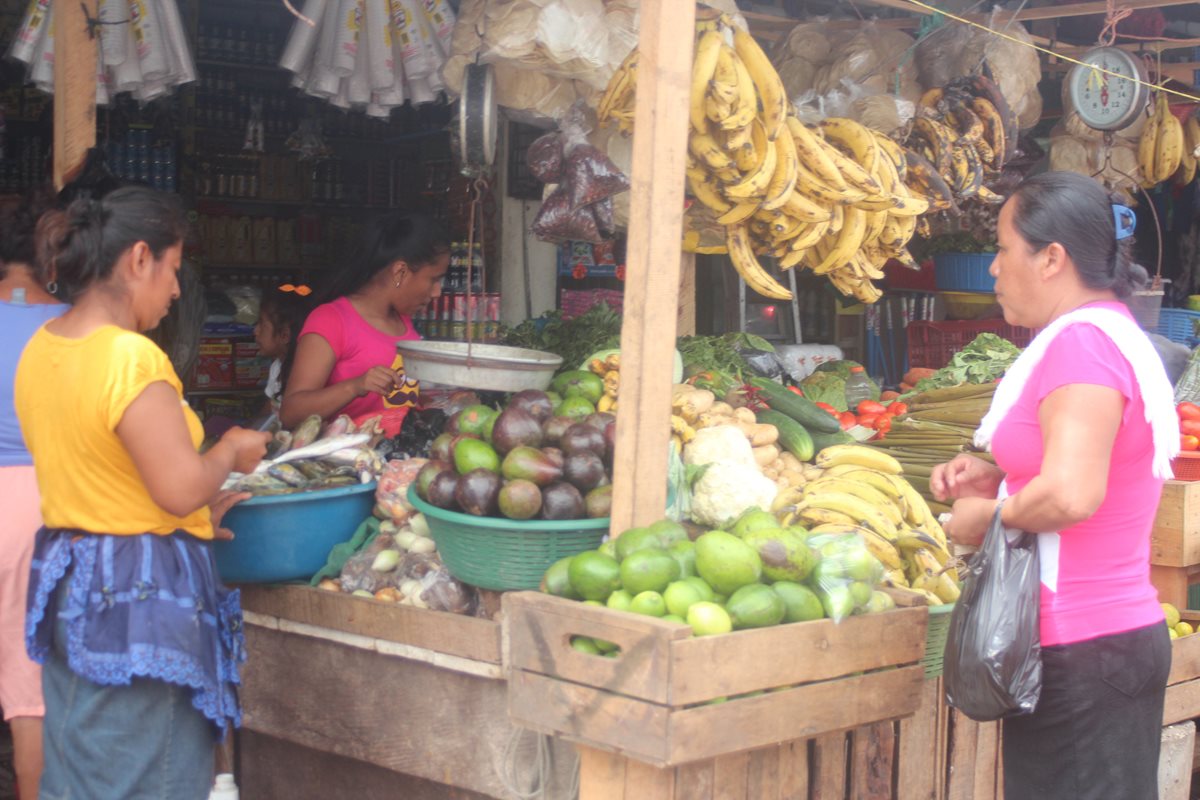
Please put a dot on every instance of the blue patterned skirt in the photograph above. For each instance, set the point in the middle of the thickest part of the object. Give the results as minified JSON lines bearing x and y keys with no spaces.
{"x":145,"y":606}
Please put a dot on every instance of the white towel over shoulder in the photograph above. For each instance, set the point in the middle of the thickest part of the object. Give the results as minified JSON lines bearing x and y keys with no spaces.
{"x":1157,"y":393}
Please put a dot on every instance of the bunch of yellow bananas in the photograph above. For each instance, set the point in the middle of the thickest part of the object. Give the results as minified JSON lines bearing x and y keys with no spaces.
{"x":609,"y":370}
{"x":832,"y":198}
{"x":862,"y":491}
{"x":1167,"y":147}
{"x":963,"y":134}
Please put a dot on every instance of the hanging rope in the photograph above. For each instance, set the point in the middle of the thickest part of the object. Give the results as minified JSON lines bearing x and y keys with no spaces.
{"x":1112,"y":17}
{"x":287,"y":4}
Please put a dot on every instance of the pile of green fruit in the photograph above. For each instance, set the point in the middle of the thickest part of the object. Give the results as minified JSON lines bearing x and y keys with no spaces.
{"x":755,"y":575}
{"x":546,"y":455}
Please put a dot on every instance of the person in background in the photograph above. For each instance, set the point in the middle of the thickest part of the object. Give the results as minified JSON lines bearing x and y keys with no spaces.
{"x":1083,"y":429}
{"x":138,"y":641}
{"x":281,"y":315}
{"x":346,"y":360}
{"x":26,"y":303}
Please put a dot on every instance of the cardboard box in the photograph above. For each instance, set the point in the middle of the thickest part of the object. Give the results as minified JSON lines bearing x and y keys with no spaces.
{"x":250,"y":370}
{"x":214,"y":366}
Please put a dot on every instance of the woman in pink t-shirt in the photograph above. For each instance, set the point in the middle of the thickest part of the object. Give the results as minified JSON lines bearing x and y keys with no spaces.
{"x":345,"y":359}
{"x":1076,"y":455}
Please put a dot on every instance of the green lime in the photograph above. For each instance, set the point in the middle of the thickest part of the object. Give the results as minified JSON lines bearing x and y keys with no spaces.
{"x":649,"y":603}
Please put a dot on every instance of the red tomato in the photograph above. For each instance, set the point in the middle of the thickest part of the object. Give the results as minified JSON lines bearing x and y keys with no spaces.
{"x":889,"y":396}
{"x":883,"y":423}
{"x":1189,"y":443}
{"x":898,"y":409}
{"x":1190,"y":427}
{"x":867,"y":420}
{"x":827,"y":408}
{"x":1188,"y":411}
{"x":870,"y":407}
{"x":796,"y":390}
{"x":847,"y":420}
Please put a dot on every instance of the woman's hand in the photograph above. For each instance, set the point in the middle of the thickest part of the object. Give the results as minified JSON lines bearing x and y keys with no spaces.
{"x":217,"y":507}
{"x":970,"y":519}
{"x":379,"y":380}
{"x":248,"y":447}
{"x":965,"y":476}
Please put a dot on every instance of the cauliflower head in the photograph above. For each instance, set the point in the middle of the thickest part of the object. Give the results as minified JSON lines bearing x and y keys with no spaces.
{"x":726,"y":490}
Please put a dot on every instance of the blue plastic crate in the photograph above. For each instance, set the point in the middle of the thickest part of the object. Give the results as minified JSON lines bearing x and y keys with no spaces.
{"x":964,"y":272}
{"x":1178,"y":325}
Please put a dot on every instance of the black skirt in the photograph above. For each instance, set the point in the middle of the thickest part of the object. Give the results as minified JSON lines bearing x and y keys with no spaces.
{"x":1095,"y":733}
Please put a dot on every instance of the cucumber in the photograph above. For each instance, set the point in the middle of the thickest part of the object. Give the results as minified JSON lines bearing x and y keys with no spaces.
{"x":798,"y":408}
{"x":793,"y":436}
{"x":823,"y":440}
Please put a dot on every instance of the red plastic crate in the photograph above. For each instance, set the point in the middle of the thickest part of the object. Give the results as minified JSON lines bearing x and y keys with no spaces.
{"x":1186,"y":467}
{"x":915,"y":280}
{"x":933,"y":344}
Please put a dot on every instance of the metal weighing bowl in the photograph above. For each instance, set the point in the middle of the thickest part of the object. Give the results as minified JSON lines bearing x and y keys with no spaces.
{"x":490,"y":367}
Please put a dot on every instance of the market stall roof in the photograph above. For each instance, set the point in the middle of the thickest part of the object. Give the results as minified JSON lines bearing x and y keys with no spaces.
{"x":1181,"y":17}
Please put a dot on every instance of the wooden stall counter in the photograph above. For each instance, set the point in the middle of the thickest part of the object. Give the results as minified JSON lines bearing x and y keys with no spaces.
{"x":352,"y":697}
{"x":1175,"y":542}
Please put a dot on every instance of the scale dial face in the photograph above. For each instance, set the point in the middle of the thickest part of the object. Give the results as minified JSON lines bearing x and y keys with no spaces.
{"x":1107,"y":102}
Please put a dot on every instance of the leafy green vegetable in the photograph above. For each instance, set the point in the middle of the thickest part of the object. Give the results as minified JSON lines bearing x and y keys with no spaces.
{"x":720,"y":353}
{"x":825,"y":386}
{"x":984,"y":360}
{"x":598,"y":328}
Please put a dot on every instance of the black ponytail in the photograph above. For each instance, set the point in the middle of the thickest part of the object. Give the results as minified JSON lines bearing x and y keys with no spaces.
{"x":415,"y":239}
{"x":1077,"y":212}
{"x":97,"y":232}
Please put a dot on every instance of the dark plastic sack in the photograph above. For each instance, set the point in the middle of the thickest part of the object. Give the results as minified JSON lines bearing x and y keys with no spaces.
{"x":592,"y":176}
{"x":545,"y":158}
{"x":556,"y":222}
{"x":763,"y":363}
{"x":993,"y":658}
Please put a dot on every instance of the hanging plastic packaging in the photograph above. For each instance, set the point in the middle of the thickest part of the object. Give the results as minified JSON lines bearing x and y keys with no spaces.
{"x":112,"y":14}
{"x":302,"y":41}
{"x":993,"y":659}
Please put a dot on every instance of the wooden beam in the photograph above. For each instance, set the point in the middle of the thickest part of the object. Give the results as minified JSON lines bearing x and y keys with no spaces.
{"x":687,"y":296}
{"x":74,"y":88}
{"x":653,"y":261}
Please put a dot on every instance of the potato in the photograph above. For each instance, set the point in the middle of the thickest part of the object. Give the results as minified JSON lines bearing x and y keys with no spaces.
{"x":793,"y":477}
{"x":772,"y":474}
{"x":744,"y":414}
{"x":777,"y":465}
{"x":764,"y":434}
{"x":763,"y":456}
{"x":791,"y":462}
{"x":721,"y":409}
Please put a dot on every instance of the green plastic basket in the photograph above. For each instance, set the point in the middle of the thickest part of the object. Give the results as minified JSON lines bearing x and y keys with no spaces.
{"x":504,"y":554}
{"x":935,"y":639}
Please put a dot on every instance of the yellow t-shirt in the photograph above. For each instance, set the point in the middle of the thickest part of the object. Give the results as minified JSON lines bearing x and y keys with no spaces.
{"x":70,"y":397}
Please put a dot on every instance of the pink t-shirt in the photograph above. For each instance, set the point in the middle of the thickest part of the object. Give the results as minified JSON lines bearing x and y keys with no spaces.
{"x":357,"y":346}
{"x":1096,"y":582}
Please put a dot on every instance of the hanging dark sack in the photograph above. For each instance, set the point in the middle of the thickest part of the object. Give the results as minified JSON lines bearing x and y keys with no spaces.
{"x":993,"y":660}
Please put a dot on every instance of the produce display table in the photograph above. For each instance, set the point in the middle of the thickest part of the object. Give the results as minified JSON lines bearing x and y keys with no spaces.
{"x":349,"y":697}
{"x":1175,"y":542}
{"x":649,"y":726}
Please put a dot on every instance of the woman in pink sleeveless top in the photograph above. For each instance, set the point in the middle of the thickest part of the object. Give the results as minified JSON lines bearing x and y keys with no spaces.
{"x":1081,"y":460}
{"x":345,"y":359}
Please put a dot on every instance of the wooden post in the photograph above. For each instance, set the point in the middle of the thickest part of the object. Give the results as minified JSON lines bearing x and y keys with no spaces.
{"x":74,"y":87}
{"x":653,"y":261}
{"x":687,"y":296}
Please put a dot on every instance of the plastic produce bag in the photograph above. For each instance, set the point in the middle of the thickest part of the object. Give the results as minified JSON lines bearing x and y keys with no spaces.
{"x":545,"y":158}
{"x":591,"y":176}
{"x":763,"y":363}
{"x":556,"y":222}
{"x":846,"y":575}
{"x":391,"y":493}
{"x":993,"y":659}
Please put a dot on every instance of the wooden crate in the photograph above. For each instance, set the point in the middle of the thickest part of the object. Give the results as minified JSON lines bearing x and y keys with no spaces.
{"x":1175,"y":538}
{"x":1183,"y":683}
{"x":651,"y":702}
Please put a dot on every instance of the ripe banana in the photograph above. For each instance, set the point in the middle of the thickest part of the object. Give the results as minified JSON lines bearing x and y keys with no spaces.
{"x":766,"y":80}
{"x":739,"y":213}
{"x":857,"y":454}
{"x":993,"y":129}
{"x":783,"y":182}
{"x":849,"y":240}
{"x":746,"y":106}
{"x":1147,"y":147}
{"x":855,"y":175}
{"x":860,"y":490}
{"x":854,"y":137}
{"x":798,"y":206}
{"x":704,"y":66}
{"x":748,"y":266}
{"x":813,"y":517}
{"x":859,"y":510}
{"x":815,"y":157}
{"x":754,"y":184}
{"x":619,"y":92}
{"x":1170,"y":142}
{"x":706,"y":192}
{"x":705,"y":148}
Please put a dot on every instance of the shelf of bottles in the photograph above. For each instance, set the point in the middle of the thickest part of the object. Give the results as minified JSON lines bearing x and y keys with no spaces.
{"x":142,"y":156}
{"x":458,"y":312}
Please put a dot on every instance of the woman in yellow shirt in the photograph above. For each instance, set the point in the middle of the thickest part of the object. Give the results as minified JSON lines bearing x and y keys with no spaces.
{"x":138,"y":640}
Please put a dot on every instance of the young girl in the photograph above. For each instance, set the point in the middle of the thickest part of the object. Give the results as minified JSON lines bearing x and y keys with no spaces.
{"x":139,"y":643}
{"x":281,"y":315}
{"x":346,"y":359}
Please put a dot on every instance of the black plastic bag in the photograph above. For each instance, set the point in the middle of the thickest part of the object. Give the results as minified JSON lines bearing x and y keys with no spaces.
{"x":993,"y":659}
{"x":763,"y":363}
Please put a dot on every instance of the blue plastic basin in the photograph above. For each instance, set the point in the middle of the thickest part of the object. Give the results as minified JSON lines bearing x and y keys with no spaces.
{"x":289,"y":536}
